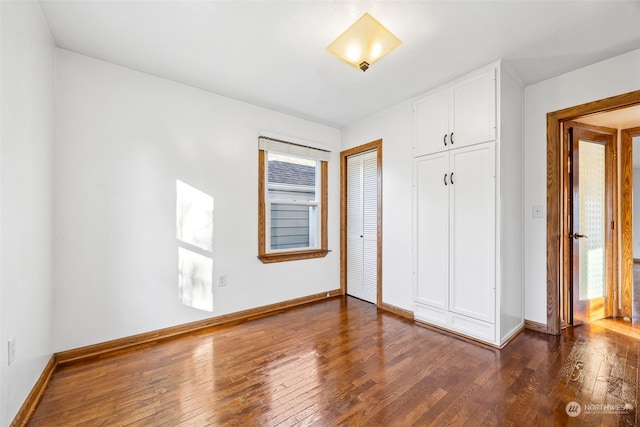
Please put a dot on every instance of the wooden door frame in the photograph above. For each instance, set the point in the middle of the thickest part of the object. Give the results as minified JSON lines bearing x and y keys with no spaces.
{"x":626,"y":219}
{"x":556,"y":153}
{"x":374,"y":145}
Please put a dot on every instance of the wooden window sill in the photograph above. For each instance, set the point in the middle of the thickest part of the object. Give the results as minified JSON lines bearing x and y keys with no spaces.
{"x":292,"y":255}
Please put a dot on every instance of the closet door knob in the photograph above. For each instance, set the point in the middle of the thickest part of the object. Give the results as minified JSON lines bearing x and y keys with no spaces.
{"x":445,"y":179}
{"x":451,"y":138}
{"x":445,"y":139}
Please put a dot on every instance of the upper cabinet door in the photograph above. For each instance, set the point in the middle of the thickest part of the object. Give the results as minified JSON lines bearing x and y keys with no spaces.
{"x":431,"y":121}
{"x":456,"y":116}
{"x":473,"y":110}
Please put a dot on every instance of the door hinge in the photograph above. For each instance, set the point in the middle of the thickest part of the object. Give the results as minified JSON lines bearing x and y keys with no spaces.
{"x":614,"y":155}
{"x":613,"y":225}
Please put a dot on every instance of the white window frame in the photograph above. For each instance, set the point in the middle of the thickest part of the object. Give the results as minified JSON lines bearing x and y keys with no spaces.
{"x":314,"y":232}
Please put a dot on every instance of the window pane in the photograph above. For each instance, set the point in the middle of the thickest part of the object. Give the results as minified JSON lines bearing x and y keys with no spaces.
{"x":592,"y":200}
{"x":291,"y":178}
{"x":293,"y":226}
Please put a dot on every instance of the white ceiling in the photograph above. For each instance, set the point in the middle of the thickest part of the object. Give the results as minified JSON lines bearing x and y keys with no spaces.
{"x":623,"y":118}
{"x":272,"y":53}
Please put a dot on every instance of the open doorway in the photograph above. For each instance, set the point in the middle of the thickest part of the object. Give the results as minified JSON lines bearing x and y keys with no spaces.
{"x":559,"y":244}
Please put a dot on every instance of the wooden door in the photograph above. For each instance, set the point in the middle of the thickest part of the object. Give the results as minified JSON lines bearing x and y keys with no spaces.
{"x":473,"y":111}
{"x":472,"y":232}
{"x":431,"y":251}
{"x":591,"y":222}
{"x":362,"y":226}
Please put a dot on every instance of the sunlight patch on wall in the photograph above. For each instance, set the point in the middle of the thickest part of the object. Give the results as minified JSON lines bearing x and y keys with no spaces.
{"x":194,"y":233}
{"x":195,"y":281}
{"x":194,"y":216}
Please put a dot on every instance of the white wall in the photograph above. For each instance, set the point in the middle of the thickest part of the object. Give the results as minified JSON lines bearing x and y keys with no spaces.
{"x":122,"y":139}
{"x":612,"y":77}
{"x":395,"y":128}
{"x":26,"y":232}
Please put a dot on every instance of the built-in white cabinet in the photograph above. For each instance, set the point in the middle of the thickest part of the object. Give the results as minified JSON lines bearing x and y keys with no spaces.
{"x":468,"y":207}
{"x":456,"y":116}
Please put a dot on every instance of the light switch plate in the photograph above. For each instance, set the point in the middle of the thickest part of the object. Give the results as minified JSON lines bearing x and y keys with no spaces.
{"x":11,"y":347}
{"x":537,"y":211}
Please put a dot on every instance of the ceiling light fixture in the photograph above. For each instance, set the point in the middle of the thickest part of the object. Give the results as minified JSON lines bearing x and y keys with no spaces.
{"x":364,"y":42}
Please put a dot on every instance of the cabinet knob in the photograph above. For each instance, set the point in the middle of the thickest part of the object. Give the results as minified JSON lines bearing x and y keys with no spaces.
{"x":451,"y":177}
{"x":445,"y":179}
{"x":451,"y":138}
{"x":445,"y":139}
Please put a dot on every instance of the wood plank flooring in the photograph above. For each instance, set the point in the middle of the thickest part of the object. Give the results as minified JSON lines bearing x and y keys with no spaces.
{"x":340,"y":362}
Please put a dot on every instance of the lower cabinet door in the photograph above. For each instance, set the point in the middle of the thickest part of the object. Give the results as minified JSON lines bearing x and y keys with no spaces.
{"x":472,"y":232}
{"x":431,"y":213}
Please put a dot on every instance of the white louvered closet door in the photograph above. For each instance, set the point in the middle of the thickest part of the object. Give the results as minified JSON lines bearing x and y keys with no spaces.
{"x":362,"y":226}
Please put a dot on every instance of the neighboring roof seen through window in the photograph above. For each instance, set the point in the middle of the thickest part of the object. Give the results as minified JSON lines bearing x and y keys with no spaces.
{"x":291,"y":173}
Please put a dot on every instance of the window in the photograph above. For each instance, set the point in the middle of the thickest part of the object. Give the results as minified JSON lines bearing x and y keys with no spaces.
{"x":292,"y":208}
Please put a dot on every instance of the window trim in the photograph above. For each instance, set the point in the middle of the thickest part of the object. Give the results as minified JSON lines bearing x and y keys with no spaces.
{"x":289,"y":255}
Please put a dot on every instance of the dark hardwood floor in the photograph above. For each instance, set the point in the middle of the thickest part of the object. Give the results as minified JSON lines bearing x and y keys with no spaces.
{"x":341,"y":362}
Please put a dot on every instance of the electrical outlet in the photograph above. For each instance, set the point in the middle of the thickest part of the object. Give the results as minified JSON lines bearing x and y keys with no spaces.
{"x":222,"y":280}
{"x":12,"y":350}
